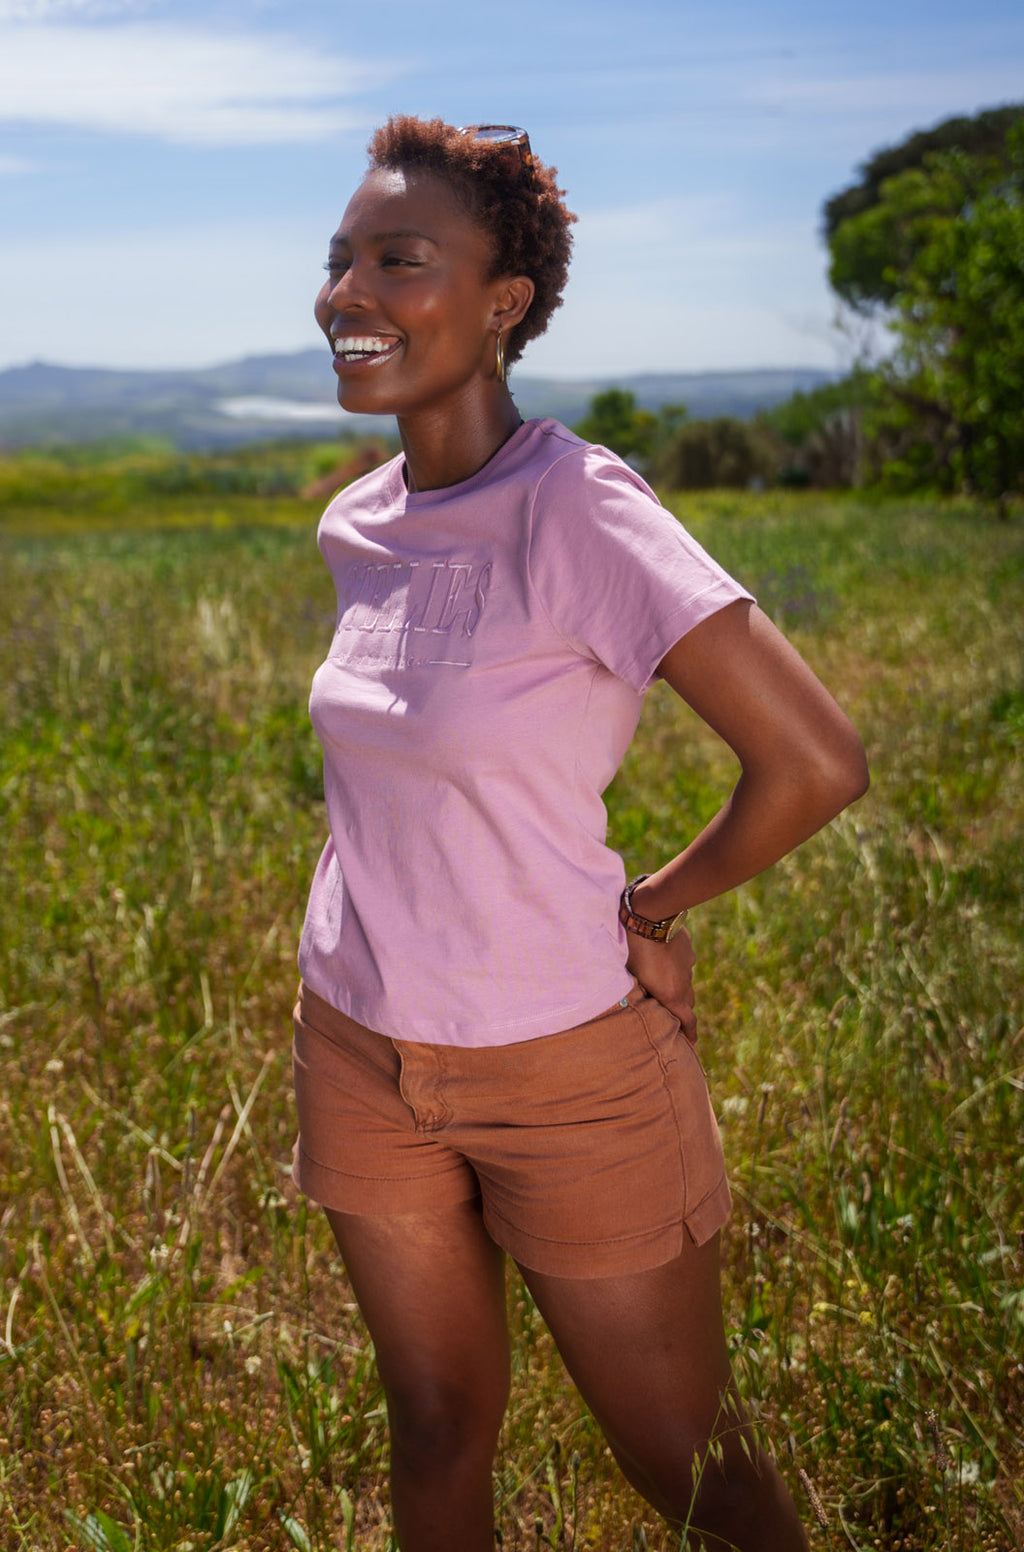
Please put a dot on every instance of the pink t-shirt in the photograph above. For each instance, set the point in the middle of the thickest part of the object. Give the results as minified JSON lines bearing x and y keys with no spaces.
{"x":493,"y":644}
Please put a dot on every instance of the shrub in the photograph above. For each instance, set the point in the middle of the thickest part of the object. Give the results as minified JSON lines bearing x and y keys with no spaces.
{"x":720,"y":452}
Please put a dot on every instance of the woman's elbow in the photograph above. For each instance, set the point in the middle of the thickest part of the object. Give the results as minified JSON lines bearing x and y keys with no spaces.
{"x":843,"y":774}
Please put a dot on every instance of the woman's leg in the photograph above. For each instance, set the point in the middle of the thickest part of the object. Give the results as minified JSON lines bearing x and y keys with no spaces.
{"x":432,"y":1291}
{"x":648,"y":1354}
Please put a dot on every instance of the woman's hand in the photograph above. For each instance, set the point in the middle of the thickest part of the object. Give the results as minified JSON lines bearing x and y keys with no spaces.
{"x":665,"y":970}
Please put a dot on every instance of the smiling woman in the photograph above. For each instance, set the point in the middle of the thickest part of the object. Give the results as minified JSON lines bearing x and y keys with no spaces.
{"x":494,"y":1036}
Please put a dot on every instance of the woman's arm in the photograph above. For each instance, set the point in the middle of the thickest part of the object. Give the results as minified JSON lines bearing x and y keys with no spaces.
{"x":801,"y":764}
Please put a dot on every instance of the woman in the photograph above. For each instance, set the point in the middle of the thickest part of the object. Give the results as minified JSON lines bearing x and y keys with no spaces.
{"x":493,"y":1044}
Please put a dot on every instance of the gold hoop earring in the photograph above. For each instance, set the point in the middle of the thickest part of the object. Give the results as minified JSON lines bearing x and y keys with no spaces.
{"x":500,"y":356}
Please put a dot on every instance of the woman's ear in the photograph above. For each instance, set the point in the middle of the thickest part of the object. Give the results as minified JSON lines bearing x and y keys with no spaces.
{"x":513,"y":302}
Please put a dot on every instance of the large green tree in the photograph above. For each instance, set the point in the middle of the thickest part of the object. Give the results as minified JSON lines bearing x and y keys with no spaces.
{"x":859,"y":264}
{"x":939,"y":252}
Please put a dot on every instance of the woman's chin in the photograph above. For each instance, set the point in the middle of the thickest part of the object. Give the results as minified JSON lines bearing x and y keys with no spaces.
{"x":356,"y":400}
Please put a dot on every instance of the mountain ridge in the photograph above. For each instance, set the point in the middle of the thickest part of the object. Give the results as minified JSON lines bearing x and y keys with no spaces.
{"x":257,"y":397}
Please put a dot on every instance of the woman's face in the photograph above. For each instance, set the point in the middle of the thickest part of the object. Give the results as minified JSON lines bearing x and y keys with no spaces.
{"x":410,"y":317}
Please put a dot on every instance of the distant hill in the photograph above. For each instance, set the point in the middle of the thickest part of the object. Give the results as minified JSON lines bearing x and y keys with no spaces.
{"x":293,"y":395}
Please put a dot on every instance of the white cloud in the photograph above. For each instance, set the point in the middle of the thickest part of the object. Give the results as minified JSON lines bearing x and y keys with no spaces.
{"x":682,"y":332}
{"x":690,"y":283}
{"x":184,"y":296}
{"x":15,"y":166}
{"x":196,"y":296}
{"x":48,"y":10}
{"x":178,"y":84}
{"x":653,"y":221}
{"x":899,"y":90}
{"x":674,"y":239}
{"x":887,"y":104}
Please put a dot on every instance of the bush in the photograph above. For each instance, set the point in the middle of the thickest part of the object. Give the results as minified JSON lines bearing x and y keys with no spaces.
{"x":823,"y":433}
{"x":721,"y":452}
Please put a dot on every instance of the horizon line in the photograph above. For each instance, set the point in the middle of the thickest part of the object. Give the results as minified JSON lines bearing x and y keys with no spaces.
{"x":579,"y":377}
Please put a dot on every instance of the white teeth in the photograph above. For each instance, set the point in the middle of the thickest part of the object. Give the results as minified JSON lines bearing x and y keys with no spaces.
{"x":361,"y":345}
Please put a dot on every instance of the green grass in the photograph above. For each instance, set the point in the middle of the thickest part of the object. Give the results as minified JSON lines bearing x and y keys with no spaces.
{"x":181,"y":1365}
{"x":144,"y":485}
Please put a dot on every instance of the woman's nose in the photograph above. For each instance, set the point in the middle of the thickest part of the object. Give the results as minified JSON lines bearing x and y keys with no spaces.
{"x":347,"y":288}
{"x":338,"y":295}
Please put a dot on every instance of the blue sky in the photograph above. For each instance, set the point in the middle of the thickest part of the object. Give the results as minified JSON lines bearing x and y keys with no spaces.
{"x":170,"y":171}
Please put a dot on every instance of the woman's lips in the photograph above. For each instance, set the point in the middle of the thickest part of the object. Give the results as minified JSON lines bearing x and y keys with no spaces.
{"x":363,"y":350}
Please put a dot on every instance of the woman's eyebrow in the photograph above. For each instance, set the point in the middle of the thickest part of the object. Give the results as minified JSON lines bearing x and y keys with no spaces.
{"x":342,"y":240}
{"x":408,"y":231}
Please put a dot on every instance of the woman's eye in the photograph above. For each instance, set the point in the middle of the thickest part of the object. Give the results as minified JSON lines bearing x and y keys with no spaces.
{"x":336,"y":268}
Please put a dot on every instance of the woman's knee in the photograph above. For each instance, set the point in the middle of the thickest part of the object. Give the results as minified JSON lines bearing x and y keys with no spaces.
{"x":690,"y":1481}
{"x":727,"y":1502}
{"x":438,"y":1427}
{"x":720,"y":1502}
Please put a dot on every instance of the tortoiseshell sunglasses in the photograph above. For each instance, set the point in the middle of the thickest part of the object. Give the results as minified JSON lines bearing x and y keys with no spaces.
{"x":503,"y":135}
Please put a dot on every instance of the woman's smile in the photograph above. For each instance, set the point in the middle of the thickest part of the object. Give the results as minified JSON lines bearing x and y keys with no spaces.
{"x":354,"y":350}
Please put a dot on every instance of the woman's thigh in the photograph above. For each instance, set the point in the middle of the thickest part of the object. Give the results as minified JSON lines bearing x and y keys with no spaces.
{"x":431,"y":1289}
{"x":648,"y":1353}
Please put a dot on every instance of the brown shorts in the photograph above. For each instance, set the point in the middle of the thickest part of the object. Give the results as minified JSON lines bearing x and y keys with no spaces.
{"x":594,"y":1152}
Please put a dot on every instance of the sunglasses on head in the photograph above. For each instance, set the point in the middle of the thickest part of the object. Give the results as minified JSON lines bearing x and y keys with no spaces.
{"x":504,"y":136}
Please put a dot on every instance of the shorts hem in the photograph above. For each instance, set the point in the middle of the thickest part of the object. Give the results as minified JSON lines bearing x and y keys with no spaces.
{"x":371,"y":1195}
{"x":711,"y":1213}
{"x":614,"y":1257}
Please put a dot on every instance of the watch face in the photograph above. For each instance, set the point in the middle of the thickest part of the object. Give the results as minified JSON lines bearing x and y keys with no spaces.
{"x":677,"y":926}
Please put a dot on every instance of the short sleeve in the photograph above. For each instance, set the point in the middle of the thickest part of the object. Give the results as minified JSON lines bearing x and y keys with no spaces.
{"x":617,"y":575}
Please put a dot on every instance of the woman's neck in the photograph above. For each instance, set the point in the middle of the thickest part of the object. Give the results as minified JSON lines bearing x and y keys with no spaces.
{"x":447,"y":444}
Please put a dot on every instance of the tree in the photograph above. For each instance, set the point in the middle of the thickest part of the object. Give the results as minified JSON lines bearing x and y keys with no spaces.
{"x":940,"y":253}
{"x":614,"y":421}
{"x":858,"y":267}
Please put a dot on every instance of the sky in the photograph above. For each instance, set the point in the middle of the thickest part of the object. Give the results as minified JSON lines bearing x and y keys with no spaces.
{"x":171,"y":170}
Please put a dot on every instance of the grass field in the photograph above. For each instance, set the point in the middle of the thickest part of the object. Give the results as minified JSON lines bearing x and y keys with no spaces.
{"x":181,"y":1365}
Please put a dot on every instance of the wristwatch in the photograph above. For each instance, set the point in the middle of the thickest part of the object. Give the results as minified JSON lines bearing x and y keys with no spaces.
{"x":657,"y":931}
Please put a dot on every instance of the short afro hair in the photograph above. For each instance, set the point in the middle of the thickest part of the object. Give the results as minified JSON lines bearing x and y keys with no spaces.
{"x":522,"y":212}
